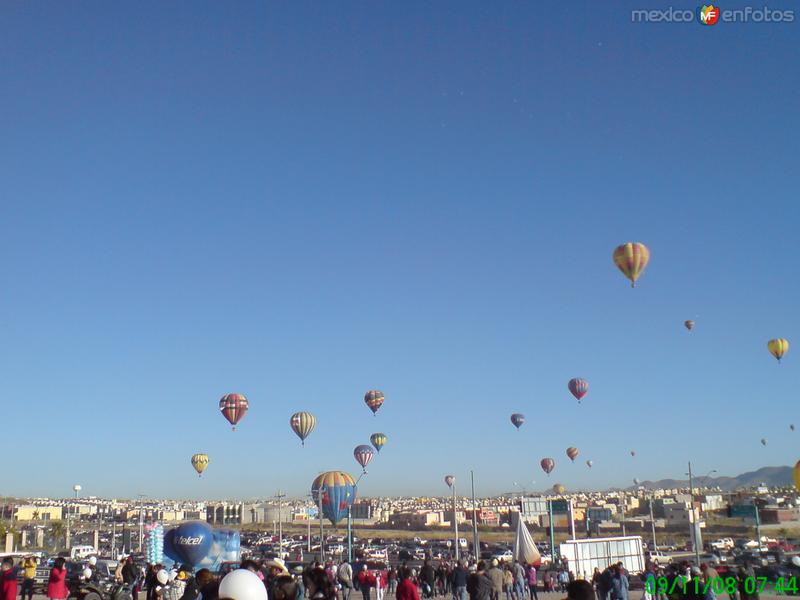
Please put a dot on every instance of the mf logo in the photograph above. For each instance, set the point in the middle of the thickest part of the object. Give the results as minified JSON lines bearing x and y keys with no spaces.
{"x":709,"y":15}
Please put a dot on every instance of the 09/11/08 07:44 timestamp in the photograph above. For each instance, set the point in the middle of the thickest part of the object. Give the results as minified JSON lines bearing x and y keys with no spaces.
{"x":718,"y":585}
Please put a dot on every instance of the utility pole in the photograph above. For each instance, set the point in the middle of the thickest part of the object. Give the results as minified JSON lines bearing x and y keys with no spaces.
{"x":280,"y":496}
{"x":571,"y":520}
{"x":141,"y":521}
{"x":693,"y":520}
{"x":653,"y":523}
{"x":552,"y":533}
{"x":622,"y":506}
{"x":308,"y":519}
{"x":455,"y":519}
{"x":321,"y":533}
{"x":758,"y":525}
{"x":475,"y":540}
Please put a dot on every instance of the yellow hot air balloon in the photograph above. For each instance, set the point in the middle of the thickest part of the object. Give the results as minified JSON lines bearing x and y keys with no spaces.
{"x":559,"y":488}
{"x":778,"y":347}
{"x":797,"y":475}
{"x":200,"y":463}
{"x":631,"y":258}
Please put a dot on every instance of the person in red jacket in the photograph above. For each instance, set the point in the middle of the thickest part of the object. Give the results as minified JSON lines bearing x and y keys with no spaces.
{"x":406,"y":590}
{"x":8,"y":576}
{"x":57,"y":584}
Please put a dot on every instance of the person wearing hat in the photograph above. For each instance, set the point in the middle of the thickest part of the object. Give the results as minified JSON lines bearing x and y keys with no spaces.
{"x":275,"y":567}
{"x":496,"y":575}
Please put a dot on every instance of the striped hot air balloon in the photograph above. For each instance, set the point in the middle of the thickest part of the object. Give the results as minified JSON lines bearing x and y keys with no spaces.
{"x":200,"y":463}
{"x":363,"y":454}
{"x":378,"y":440}
{"x":335,"y":492}
{"x":302,"y":423}
{"x":631,"y":258}
{"x":578,"y":387}
{"x":234,"y":407}
{"x":572,"y":453}
{"x":374,"y":399}
{"x":778,"y":347}
{"x":548,"y":464}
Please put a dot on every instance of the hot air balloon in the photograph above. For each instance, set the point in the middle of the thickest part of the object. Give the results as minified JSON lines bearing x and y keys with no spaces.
{"x":572,"y":452}
{"x":548,"y":464}
{"x":631,"y":259}
{"x":449,"y":480}
{"x":797,"y":475}
{"x":234,"y":407}
{"x":689,"y":324}
{"x":363,"y":454}
{"x":559,"y":488}
{"x":636,"y":481}
{"x":791,"y":427}
{"x":778,"y":347}
{"x":302,"y":423}
{"x":373,"y":399}
{"x":763,"y":441}
{"x":335,"y":491}
{"x":633,"y":452}
{"x":517,"y":419}
{"x":378,"y":440}
{"x":200,"y":463}
{"x":589,"y":463}
{"x":578,"y":387}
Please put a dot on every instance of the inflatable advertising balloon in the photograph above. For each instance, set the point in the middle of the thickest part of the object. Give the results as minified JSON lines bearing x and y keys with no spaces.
{"x":224,"y":546}
{"x":336,"y":490}
{"x":191,"y":542}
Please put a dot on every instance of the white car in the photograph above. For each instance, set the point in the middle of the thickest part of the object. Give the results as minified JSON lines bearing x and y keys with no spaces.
{"x":661,"y":559}
{"x":505,"y":556}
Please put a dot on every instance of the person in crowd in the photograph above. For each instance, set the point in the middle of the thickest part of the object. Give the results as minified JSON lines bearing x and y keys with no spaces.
{"x":619,"y":584}
{"x":427,"y":577}
{"x":344,"y":574}
{"x":479,"y":585}
{"x":381,"y":581}
{"x":8,"y":579}
{"x":532,"y":582}
{"x":520,"y":580}
{"x":406,"y":590}
{"x":29,"y":574}
{"x":563,"y":579}
{"x":496,"y":576}
{"x":207,"y":584}
{"x":458,"y":581}
{"x":318,"y":585}
{"x":285,"y":588}
{"x":57,"y":582}
{"x":274,"y":568}
{"x":364,"y":582}
{"x":129,"y":574}
{"x":392,"y":578}
{"x":580,"y":590}
{"x":508,"y":583}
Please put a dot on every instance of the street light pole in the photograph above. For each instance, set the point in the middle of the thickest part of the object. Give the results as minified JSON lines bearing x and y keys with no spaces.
{"x":693,"y":519}
{"x":141,"y":521}
{"x":280,"y":496}
{"x":475,"y":540}
{"x":653,"y":522}
{"x":455,"y":520}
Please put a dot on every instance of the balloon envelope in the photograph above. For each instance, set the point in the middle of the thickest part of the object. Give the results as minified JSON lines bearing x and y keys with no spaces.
{"x":242,"y":584}
{"x":363,"y":454}
{"x":791,"y":427}
{"x":631,"y":258}
{"x":517,"y":419}
{"x":547,"y":464}
{"x":374,"y":400}
{"x":378,"y":440}
{"x":192,"y":541}
{"x":763,"y":441}
{"x":797,"y":475}
{"x":589,"y":463}
{"x":233,"y":407}
{"x":302,"y":423}
{"x":449,"y":480}
{"x":559,"y":488}
{"x":689,"y":324}
{"x":336,"y":490}
{"x":572,"y":453}
{"x":633,"y":452}
{"x":778,"y":347}
{"x":200,"y":462}
{"x":578,"y":387}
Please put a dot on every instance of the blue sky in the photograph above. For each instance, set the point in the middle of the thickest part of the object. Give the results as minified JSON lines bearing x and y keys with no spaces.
{"x":301,"y":202}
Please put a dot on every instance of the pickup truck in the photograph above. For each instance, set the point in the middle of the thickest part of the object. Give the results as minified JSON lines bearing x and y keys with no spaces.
{"x":725,"y":544}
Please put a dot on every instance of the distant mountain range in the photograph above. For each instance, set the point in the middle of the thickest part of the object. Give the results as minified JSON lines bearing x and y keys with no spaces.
{"x":769,"y":476}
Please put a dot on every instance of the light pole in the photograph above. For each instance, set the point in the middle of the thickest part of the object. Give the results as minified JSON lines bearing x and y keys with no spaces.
{"x":141,"y":521}
{"x":475,"y":540}
{"x":75,"y":488}
{"x":455,"y":519}
{"x":280,"y":496}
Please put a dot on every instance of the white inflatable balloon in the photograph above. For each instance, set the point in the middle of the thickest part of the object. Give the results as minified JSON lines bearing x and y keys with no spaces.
{"x":796,"y":561}
{"x":172,"y":575}
{"x":242,"y":584}
{"x":93,"y":560}
{"x":163,"y":577}
{"x":87,"y":573}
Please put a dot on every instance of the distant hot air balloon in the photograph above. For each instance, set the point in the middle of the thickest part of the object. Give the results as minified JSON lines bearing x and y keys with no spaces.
{"x":363,"y":454}
{"x":378,"y":440}
{"x":449,"y":480}
{"x":689,"y":324}
{"x":797,"y":475}
{"x":548,"y":464}
{"x":631,"y":258}
{"x":778,"y":347}
{"x":559,"y":488}
{"x":589,"y":463}
{"x":335,"y":492}
{"x":233,"y":407}
{"x":791,"y":427}
{"x":572,"y":453}
{"x":517,"y":419}
{"x":200,"y":463}
{"x":633,"y":452}
{"x":763,"y":441}
{"x":373,"y":399}
{"x":636,"y":481}
{"x":302,"y":423}
{"x":578,"y":387}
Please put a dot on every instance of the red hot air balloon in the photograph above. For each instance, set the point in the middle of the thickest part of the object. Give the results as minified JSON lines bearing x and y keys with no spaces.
{"x":548,"y":464}
{"x":572,"y":452}
{"x":363,"y":454}
{"x":374,"y":399}
{"x":233,"y":407}
{"x":579,"y":387}
{"x":449,"y":480}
